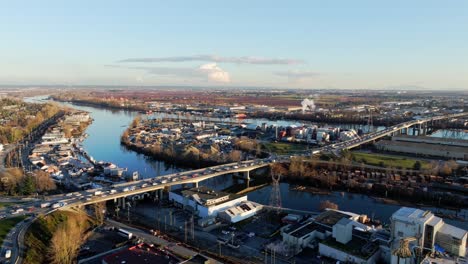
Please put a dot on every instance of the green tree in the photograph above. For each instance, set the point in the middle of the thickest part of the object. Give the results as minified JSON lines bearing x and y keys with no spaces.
{"x":28,"y":187}
{"x":417,"y":165}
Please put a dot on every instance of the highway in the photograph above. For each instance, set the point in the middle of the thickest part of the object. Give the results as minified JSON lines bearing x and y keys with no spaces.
{"x":135,"y":188}
{"x":139,"y":187}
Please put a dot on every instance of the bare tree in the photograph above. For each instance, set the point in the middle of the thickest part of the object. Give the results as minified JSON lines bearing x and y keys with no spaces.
{"x":44,"y":182}
{"x":327,"y":205}
{"x":67,"y":239}
{"x":99,"y":211}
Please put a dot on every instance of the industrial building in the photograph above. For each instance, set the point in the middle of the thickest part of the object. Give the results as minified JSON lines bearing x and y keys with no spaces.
{"x":204,"y":201}
{"x":240,"y":212}
{"x":423,"y":149}
{"x":305,"y":234}
{"x":425,"y":231}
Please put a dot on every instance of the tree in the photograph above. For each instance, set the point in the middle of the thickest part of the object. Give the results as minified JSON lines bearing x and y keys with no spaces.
{"x":44,"y":182}
{"x":278,"y":169}
{"x":327,"y":205}
{"x":99,"y":211}
{"x":403,"y":251}
{"x":417,"y":165}
{"x":28,"y":187}
{"x":136,"y":122}
{"x":67,"y":239}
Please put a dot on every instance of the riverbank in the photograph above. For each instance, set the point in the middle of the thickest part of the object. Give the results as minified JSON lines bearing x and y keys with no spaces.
{"x":99,"y":103}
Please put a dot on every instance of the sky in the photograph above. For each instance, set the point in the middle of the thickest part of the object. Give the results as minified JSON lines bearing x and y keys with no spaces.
{"x":288,"y":44}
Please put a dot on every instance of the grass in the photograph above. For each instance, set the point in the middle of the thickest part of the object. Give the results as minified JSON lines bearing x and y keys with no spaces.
{"x":7,"y":224}
{"x":4,"y":204}
{"x":283,"y":147}
{"x":388,"y":160}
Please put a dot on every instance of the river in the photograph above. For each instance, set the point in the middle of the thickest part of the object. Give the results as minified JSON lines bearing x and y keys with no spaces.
{"x":103,"y":143}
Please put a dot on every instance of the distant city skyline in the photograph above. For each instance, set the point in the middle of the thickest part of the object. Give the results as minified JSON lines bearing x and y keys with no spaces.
{"x":291,"y":44}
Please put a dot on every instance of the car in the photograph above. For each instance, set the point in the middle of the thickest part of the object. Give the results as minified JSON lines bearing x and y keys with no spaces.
{"x":225,"y":232}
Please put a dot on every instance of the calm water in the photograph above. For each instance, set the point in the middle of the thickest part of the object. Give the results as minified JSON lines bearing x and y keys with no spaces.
{"x":357,"y":203}
{"x":103,"y":143}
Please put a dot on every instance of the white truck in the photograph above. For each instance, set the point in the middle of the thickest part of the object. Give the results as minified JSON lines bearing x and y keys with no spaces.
{"x":58,"y":205}
{"x":96,"y":193}
{"x":8,"y":254}
{"x":112,"y":191}
{"x":126,"y":189}
{"x":17,"y":211}
{"x":44,"y":205}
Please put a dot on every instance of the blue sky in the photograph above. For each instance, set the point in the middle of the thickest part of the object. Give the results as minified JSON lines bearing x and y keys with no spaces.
{"x":303,"y":44}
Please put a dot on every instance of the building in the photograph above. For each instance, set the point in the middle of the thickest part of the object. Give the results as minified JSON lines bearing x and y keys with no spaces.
{"x":424,"y":230}
{"x":77,"y":117}
{"x":204,"y":201}
{"x":305,"y":234}
{"x":423,"y":149}
{"x":240,"y":212}
{"x":350,"y":244}
{"x":337,"y":234}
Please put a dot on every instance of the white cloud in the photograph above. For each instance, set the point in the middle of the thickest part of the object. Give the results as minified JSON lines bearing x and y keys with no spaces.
{"x":215,"y":73}
{"x":207,"y":72}
{"x":218,"y":59}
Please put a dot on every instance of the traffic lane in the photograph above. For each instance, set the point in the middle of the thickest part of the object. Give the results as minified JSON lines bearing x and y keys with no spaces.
{"x":178,"y":250}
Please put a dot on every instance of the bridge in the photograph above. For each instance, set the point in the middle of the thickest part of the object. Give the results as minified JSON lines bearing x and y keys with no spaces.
{"x":420,"y":127}
{"x":141,"y":188}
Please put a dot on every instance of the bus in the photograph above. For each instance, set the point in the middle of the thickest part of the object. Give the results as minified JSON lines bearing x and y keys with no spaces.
{"x":125,"y":233}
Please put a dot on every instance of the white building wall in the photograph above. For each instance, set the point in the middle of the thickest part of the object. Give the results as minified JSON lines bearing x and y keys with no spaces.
{"x":202,"y":210}
{"x":325,"y":250}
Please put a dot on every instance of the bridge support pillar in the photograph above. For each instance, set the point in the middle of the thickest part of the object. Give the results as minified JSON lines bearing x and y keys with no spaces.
{"x":247,"y":178}
{"x":195,"y":184}
{"x":122,"y":204}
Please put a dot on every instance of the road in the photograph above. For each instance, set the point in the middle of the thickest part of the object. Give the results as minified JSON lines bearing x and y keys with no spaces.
{"x":4,"y":153}
{"x":157,"y":183}
{"x":14,"y":241}
{"x":149,"y":238}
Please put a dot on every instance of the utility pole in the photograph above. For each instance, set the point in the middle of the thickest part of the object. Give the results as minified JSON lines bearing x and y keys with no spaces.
{"x":185,"y":231}
{"x":193,"y":228}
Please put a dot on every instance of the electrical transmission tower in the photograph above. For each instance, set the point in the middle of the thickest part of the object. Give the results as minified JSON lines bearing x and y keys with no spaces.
{"x":275,"y":195}
{"x":370,"y":123}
